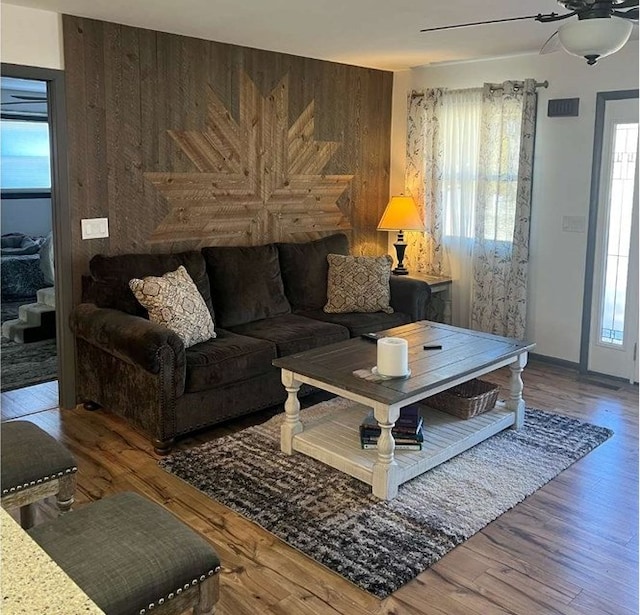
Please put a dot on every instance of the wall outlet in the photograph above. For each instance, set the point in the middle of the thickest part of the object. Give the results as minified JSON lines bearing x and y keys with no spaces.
{"x":95,"y":228}
{"x":574,"y":224}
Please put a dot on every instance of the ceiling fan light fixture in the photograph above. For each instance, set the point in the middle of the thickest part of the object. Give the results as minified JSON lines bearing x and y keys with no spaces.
{"x":594,"y":38}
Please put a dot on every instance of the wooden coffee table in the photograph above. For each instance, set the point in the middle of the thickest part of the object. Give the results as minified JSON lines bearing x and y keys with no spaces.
{"x":335,"y":440}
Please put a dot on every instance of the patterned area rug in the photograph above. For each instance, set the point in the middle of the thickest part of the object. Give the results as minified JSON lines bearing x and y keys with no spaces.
{"x":23,"y":365}
{"x":9,"y":309}
{"x":381,"y":545}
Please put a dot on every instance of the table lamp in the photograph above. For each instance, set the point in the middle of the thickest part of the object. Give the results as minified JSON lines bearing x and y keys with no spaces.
{"x":401,"y":215}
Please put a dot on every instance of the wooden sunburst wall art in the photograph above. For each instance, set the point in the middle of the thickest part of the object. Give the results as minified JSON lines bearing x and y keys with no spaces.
{"x":255,"y":180}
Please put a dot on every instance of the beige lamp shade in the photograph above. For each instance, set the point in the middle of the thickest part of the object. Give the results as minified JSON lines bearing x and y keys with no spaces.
{"x":401,"y":214}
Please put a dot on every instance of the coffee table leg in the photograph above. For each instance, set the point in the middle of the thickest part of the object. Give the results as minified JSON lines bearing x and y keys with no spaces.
{"x":292,"y":424}
{"x":515,"y":401}
{"x":385,"y":469}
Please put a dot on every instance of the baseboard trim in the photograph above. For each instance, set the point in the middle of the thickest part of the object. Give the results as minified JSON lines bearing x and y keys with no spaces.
{"x":597,"y":378}
{"x":554,"y":361}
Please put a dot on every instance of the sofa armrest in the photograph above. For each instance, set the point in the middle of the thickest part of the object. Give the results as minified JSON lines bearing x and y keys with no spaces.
{"x":132,"y":339}
{"x":410,"y":296}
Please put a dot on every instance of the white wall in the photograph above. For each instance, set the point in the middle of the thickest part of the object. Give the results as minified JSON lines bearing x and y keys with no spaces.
{"x":562,"y":174}
{"x":30,"y":37}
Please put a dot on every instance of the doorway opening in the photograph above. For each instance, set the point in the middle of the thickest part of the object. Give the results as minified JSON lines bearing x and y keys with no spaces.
{"x":48,"y":84}
{"x":27,"y":298}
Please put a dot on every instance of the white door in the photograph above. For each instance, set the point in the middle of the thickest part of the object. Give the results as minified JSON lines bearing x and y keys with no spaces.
{"x":613,"y":336}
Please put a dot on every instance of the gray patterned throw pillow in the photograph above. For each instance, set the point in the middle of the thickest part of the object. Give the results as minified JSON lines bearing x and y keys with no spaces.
{"x":358,"y":284}
{"x":174,"y":301}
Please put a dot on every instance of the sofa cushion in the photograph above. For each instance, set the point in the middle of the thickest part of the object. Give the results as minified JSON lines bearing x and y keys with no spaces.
{"x":361,"y":323}
{"x":246,"y":283}
{"x":173,"y":300}
{"x":304,"y":270}
{"x":226,"y":359}
{"x":292,"y":333}
{"x":358,"y":284}
{"x":111,"y":274}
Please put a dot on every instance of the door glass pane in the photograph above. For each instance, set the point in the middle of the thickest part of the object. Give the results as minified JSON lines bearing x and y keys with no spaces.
{"x":618,"y":238}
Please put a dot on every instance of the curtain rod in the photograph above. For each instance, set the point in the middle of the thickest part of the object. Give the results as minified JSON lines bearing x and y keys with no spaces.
{"x":539,"y":84}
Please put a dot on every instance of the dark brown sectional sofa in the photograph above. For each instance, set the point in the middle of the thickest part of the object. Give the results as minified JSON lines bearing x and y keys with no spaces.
{"x":266,"y":302}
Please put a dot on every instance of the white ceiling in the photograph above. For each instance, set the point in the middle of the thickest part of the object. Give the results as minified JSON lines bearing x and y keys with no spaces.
{"x":381,"y":34}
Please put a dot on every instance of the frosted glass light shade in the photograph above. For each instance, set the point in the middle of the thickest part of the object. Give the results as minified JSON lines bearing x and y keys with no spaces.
{"x":401,"y":214}
{"x":594,"y":38}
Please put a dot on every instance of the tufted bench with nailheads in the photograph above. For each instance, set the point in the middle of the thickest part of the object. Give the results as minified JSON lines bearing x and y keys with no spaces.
{"x":33,"y":466}
{"x":133,"y":557}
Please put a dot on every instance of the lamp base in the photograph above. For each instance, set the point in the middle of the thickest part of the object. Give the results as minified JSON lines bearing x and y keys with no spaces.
{"x":400,"y":247}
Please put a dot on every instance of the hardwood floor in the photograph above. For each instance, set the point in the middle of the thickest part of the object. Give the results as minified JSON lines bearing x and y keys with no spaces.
{"x":570,"y":548}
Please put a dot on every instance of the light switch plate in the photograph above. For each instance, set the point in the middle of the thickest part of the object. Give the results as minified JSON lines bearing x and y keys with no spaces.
{"x":574,"y":224}
{"x":95,"y":228}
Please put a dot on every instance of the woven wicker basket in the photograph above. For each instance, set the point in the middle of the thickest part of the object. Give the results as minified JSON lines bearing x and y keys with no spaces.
{"x":467,"y":399}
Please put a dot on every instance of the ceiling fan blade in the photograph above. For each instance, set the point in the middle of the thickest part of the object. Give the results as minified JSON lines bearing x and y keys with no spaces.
{"x":551,"y":44}
{"x":630,"y":14}
{"x":479,"y":23}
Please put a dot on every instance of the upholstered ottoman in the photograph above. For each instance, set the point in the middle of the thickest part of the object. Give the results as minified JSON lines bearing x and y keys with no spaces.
{"x":33,"y":466}
{"x":132,"y":557}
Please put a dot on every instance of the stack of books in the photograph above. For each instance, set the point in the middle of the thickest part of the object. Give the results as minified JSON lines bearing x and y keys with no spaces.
{"x":407,"y":432}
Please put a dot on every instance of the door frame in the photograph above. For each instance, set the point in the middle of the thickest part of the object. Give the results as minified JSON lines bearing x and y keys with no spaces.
{"x":596,"y":168}
{"x":61,"y":218}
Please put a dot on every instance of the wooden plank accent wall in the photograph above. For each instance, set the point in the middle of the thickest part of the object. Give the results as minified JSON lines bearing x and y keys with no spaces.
{"x":182,"y":142}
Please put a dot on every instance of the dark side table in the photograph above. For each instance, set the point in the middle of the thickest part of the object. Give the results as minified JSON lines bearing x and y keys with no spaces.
{"x":440,"y":306}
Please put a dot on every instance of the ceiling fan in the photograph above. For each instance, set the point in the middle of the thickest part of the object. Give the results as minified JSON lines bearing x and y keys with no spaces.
{"x":602,"y":27}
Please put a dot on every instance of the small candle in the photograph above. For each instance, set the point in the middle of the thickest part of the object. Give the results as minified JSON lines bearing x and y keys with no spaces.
{"x":393,"y":356}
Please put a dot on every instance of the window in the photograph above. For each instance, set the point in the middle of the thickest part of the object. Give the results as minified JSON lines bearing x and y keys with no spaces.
{"x":25,"y":165}
{"x":464,"y":172}
{"x":614,"y":292}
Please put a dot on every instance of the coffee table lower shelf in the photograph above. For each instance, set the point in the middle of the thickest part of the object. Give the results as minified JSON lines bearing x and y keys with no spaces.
{"x":335,"y":440}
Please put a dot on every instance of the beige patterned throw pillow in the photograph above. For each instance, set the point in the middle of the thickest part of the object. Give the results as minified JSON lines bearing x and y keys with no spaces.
{"x":358,"y":284}
{"x":174,"y":301}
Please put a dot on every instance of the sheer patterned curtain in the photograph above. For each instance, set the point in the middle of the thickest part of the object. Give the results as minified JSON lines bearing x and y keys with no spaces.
{"x":425,"y":252}
{"x":501,"y":249}
{"x":460,"y":122}
{"x":469,"y":164}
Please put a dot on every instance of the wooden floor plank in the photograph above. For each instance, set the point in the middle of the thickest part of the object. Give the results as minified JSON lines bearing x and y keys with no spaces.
{"x":522,"y":594}
{"x":500,"y":542}
{"x":25,"y":402}
{"x":570,"y":548}
{"x":590,"y":603}
{"x":449,"y":593}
